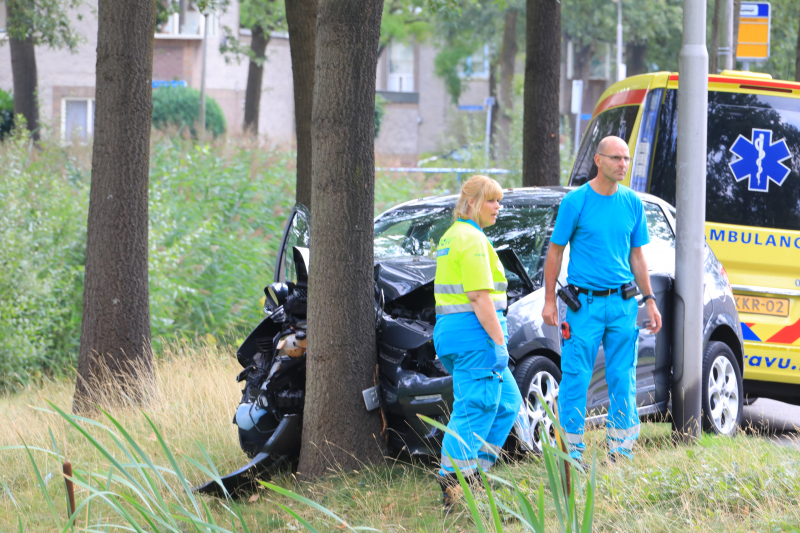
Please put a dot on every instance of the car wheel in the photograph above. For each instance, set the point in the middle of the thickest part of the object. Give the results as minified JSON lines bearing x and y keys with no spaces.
{"x":536,"y":376}
{"x":722,"y":390}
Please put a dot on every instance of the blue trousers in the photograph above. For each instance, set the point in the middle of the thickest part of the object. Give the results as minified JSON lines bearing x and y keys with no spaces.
{"x":612,"y":320}
{"x":483,"y":405}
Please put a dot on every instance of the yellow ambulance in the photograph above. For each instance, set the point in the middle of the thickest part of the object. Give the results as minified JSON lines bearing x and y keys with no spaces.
{"x":752,"y":198}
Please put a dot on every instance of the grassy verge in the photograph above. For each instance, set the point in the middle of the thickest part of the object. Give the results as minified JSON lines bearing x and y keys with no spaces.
{"x":742,"y":484}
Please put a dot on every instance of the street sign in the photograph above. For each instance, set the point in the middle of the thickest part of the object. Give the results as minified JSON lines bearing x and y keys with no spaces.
{"x":489,"y":101}
{"x":754,"y":25}
{"x":470,"y":108}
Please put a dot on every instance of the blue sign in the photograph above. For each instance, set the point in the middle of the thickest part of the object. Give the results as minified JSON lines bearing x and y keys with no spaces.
{"x":760,"y":160}
{"x":586,"y":116}
{"x":168,"y":83}
{"x":470,"y":108}
{"x":754,"y":9}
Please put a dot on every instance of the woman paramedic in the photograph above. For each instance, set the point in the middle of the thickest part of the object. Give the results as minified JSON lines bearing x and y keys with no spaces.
{"x":470,"y":336}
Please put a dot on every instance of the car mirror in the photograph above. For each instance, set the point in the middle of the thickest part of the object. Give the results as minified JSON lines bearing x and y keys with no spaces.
{"x":276,"y":294}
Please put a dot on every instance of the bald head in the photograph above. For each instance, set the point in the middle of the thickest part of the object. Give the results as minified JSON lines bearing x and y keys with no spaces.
{"x":611,"y":143}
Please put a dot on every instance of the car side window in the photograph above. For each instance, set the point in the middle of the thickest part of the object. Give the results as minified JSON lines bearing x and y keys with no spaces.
{"x":298,"y":236}
{"x":660,"y":253}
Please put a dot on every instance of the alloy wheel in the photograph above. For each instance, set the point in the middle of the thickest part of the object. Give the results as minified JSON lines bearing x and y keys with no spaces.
{"x":723,"y":395}
{"x":544,"y":384}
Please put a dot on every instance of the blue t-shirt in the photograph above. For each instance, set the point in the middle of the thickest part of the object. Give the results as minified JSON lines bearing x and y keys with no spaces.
{"x":601,"y":231}
{"x":462,"y":332}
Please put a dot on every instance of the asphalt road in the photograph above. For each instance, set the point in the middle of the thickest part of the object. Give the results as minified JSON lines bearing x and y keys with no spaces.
{"x":777,"y":421}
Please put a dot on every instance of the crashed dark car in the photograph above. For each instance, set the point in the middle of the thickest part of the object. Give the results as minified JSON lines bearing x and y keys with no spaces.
{"x":413,"y":381}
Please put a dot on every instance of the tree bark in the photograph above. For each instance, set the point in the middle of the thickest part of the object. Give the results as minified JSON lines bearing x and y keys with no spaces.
{"x":540,"y":139}
{"x":255,"y":74}
{"x":337,"y":429}
{"x":115,"y":354}
{"x":737,"y":8}
{"x":301,"y":18}
{"x":23,"y":70}
{"x":797,"y":59}
{"x":713,"y":49}
{"x":495,"y":111}
{"x":508,"y":55}
{"x":636,"y":53}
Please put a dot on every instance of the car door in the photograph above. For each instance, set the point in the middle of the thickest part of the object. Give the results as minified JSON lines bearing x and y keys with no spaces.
{"x":653,"y":365}
{"x":296,"y":233}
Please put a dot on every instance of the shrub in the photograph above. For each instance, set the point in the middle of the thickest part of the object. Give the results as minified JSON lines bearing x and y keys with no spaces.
{"x":180,"y":106}
{"x":6,"y":114}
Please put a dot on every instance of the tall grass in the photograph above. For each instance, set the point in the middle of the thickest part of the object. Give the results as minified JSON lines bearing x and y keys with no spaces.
{"x":217,"y":211}
{"x":743,"y":484}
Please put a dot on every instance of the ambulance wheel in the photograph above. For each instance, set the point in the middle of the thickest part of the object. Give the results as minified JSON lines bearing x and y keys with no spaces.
{"x":723,"y":391}
{"x":539,"y":376}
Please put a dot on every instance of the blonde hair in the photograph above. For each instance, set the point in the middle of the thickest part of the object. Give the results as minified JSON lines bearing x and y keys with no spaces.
{"x":478,"y":188}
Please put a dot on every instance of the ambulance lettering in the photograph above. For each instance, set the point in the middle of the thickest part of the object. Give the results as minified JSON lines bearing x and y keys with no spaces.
{"x":779,"y":241}
{"x":760,"y":160}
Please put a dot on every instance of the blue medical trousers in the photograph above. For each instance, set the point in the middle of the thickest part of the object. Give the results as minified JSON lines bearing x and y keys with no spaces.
{"x":612,"y":320}
{"x":482,"y":405}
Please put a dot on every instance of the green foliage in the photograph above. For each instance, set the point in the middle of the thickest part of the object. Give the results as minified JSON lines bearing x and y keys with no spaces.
{"x":380,"y":111}
{"x":47,"y":21}
{"x":6,"y":114}
{"x":403,"y":20}
{"x":180,"y":107}
{"x":270,"y":15}
{"x":43,"y":201}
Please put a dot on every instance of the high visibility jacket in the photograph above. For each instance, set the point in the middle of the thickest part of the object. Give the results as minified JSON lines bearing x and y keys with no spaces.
{"x":466,"y":261}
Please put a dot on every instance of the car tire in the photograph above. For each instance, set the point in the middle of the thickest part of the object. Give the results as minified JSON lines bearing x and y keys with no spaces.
{"x":538,"y":374}
{"x":723,"y":391}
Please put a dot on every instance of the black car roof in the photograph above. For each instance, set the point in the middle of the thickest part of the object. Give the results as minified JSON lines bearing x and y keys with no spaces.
{"x":521,"y":196}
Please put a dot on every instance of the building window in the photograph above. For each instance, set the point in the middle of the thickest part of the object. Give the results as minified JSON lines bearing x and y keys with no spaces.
{"x":77,"y":119}
{"x":476,"y":66}
{"x":189,"y":23}
{"x":401,"y":68}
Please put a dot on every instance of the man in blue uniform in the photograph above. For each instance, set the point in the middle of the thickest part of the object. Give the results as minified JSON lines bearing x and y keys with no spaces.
{"x":605,"y":224}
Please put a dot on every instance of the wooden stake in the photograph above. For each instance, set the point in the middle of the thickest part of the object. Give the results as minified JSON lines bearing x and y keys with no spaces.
{"x":70,"y":488}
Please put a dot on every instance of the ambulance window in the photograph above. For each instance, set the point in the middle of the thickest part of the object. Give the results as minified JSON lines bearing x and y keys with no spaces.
{"x":618,"y":121}
{"x":753,"y":200}
{"x":660,"y":253}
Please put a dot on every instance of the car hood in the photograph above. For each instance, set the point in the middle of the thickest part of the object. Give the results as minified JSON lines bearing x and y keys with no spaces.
{"x":399,"y":276}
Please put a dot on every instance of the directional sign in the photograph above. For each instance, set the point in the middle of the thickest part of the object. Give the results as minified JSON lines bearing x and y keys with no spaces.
{"x":754,"y":24}
{"x":470,"y":108}
{"x":760,"y":160}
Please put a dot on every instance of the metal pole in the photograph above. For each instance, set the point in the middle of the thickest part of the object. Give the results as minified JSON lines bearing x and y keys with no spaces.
{"x":577,"y":133}
{"x":620,"y":65}
{"x":691,"y":210}
{"x":203,"y":78}
{"x":489,"y":102}
{"x":725,"y":50}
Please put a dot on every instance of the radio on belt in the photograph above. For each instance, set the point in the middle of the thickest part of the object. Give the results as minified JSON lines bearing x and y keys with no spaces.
{"x":570,"y":297}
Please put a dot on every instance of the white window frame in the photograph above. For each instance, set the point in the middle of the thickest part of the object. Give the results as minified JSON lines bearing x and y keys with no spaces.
{"x":484,"y":74}
{"x":89,"y":112}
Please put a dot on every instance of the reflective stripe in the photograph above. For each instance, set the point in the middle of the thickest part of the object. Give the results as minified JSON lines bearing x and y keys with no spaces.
{"x":485,"y":464}
{"x":625,"y":445}
{"x":620,"y":434}
{"x":466,"y":466}
{"x":500,"y":286}
{"x":451,"y":309}
{"x":575,"y":438}
{"x":499,"y":306}
{"x":444,"y":288}
{"x":491,"y":450}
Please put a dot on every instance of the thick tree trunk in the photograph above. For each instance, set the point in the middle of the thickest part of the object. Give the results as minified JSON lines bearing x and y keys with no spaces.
{"x":713,"y":49}
{"x":252,"y":95}
{"x":737,"y":8}
{"x":337,"y":429}
{"x":797,"y":59}
{"x":635,"y":58}
{"x":301,"y":18}
{"x":508,"y":55}
{"x":540,"y":158}
{"x":115,"y":353}
{"x":23,"y":69}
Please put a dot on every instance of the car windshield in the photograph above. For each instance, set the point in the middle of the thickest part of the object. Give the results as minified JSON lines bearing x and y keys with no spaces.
{"x":415,"y":233}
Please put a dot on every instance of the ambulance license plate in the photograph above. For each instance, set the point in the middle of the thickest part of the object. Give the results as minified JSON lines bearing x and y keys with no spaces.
{"x":762,"y":306}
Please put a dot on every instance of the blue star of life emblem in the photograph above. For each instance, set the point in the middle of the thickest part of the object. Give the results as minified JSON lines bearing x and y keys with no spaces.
{"x":760,"y":160}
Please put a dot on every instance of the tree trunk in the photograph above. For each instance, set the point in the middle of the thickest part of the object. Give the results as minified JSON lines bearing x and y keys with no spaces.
{"x":252,"y":95}
{"x":493,"y":123}
{"x":737,"y":8}
{"x":540,"y":158}
{"x":23,"y":70}
{"x":797,"y":59}
{"x":115,"y":353}
{"x":713,"y":49}
{"x":301,"y":18}
{"x":508,"y":55}
{"x":337,"y":429}
{"x":635,"y":58}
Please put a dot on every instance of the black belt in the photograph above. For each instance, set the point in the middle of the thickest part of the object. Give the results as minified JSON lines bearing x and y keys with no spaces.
{"x":605,"y":292}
